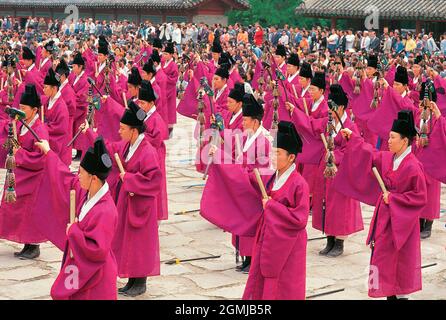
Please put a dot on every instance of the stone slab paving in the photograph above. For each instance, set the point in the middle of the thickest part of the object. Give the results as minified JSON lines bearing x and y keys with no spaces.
{"x":187,"y":235}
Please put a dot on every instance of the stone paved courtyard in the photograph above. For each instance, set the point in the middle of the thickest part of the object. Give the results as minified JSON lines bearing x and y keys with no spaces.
{"x":189,"y":236}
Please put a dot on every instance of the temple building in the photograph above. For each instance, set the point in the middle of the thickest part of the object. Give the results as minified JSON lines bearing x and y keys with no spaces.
{"x":156,"y":11}
{"x":416,"y":15}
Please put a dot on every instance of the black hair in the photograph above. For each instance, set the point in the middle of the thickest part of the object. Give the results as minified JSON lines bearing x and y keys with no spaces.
{"x":141,"y":129}
{"x":410,"y":139}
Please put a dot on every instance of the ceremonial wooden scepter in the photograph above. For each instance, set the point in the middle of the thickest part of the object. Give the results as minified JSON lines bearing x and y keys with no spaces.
{"x":380,"y":180}
{"x":121,"y":169}
{"x":261,"y":185}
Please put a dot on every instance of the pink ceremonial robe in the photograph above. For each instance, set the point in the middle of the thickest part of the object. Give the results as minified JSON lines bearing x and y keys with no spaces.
{"x":90,"y":62}
{"x":278,"y":268}
{"x":256,"y":156}
{"x":382,"y":119}
{"x":394,"y":232}
{"x":234,"y":76}
{"x":57,"y":123}
{"x":156,"y":133}
{"x":44,"y":66}
{"x":363,"y":112}
{"x":107,"y":119}
{"x":16,"y":223}
{"x":81,"y":88}
{"x":161,"y":82}
{"x":313,"y":147}
{"x":440,"y":86}
{"x":69,"y":97}
{"x":432,"y":209}
{"x":88,"y":241}
{"x":101,"y":82}
{"x":283,"y":113}
{"x":31,"y":77}
{"x":136,"y":242}
{"x":433,"y":156}
{"x":342,"y":214}
{"x":171,"y":72}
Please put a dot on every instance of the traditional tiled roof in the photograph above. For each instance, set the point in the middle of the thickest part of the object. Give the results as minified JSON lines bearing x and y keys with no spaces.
{"x":397,"y":9}
{"x":152,"y":4}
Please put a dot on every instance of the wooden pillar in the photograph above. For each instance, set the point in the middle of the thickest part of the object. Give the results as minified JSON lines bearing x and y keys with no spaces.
{"x":333,"y":23}
{"x":418,"y":26}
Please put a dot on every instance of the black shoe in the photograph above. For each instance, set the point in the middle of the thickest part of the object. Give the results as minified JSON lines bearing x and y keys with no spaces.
{"x":422,"y":223}
{"x":138,"y":288}
{"x":78,"y":156}
{"x":392,"y":298}
{"x":426,"y":233}
{"x":330,"y":244}
{"x":337,"y":250}
{"x":246,"y":263}
{"x":245,"y":270}
{"x":127,"y":286}
{"x":32,"y":252}
{"x":18,"y":254}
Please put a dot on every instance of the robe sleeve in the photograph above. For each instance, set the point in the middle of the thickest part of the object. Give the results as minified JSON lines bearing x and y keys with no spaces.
{"x":230,"y":200}
{"x":405,"y":207}
{"x":355,"y":178}
{"x":55,"y":192}
{"x":282,"y":225}
{"x":433,"y":156}
{"x":93,"y":242}
{"x":30,"y":159}
{"x":90,"y":248}
{"x":144,"y":185}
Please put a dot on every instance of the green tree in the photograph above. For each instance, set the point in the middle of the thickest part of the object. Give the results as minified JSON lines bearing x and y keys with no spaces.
{"x":274,"y":12}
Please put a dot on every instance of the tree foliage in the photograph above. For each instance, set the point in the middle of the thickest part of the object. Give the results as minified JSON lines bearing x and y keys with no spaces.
{"x":274,"y":12}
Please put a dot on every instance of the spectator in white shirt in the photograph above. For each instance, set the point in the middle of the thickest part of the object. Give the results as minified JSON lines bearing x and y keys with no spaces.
{"x":284,"y":39}
{"x":349,"y":40}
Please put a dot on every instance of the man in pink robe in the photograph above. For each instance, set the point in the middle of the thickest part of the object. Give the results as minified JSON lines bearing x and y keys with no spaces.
{"x":394,"y":99}
{"x":45,"y":62}
{"x":424,"y":146}
{"x":31,"y":75}
{"x":156,"y":133}
{"x":88,"y":241}
{"x":16,"y":223}
{"x":278,"y":270}
{"x":170,"y":69}
{"x":79,"y":82}
{"x":394,"y":235}
{"x":149,"y":73}
{"x":333,"y":213}
{"x":67,"y":92}
{"x":136,"y":243}
{"x":161,"y":81}
{"x":56,"y":118}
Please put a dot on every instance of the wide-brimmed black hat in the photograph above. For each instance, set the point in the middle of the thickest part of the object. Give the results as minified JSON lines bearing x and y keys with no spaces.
{"x":251,"y":108}
{"x":51,"y":78}
{"x":405,"y":124}
{"x":318,"y":80}
{"x":28,"y":54}
{"x":134,"y":77}
{"x":401,"y":75}
{"x":146,"y":92}
{"x":338,"y":95}
{"x":30,"y":97}
{"x":133,"y":116}
{"x":238,"y":92}
{"x":305,"y":70}
{"x":287,"y":138}
{"x":97,"y":161}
